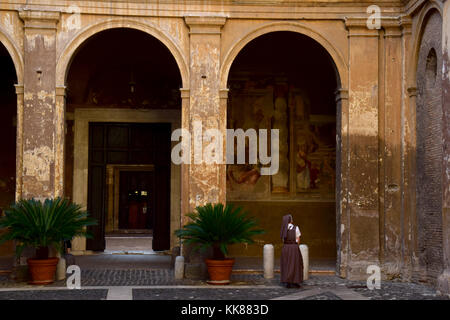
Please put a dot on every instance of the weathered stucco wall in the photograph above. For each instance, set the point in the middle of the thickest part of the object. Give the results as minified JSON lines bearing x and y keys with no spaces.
{"x":376,"y":219}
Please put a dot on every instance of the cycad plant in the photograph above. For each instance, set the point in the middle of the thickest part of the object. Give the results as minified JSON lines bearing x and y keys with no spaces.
{"x":218,"y":226}
{"x":32,"y":223}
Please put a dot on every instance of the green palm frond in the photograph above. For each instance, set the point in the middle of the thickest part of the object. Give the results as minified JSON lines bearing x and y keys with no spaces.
{"x":218,"y":226}
{"x":32,"y":223}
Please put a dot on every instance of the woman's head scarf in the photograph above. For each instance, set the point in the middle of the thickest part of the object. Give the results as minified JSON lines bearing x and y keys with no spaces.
{"x":284,"y":226}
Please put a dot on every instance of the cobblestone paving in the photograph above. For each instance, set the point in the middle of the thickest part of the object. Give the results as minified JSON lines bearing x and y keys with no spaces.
{"x":210,"y":294}
{"x":267,"y":289}
{"x":94,"y":294}
{"x":323,"y":296}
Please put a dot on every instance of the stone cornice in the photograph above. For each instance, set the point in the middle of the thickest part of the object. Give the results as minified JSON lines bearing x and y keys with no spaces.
{"x":39,"y":19}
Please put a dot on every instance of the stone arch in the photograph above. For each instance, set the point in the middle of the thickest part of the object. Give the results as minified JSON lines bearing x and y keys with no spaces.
{"x":429,"y":132}
{"x":14,"y":53}
{"x":424,"y":14}
{"x":65,"y":58}
{"x":336,"y":56}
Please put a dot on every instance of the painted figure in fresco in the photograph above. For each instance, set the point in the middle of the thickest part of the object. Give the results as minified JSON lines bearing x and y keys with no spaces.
{"x":281,"y":179}
{"x":303,"y":168}
{"x":329,"y":171}
{"x":314,"y":175}
{"x":248,"y":175}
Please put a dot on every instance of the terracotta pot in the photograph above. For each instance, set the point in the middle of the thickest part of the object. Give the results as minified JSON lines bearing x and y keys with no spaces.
{"x":42,"y":271}
{"x":219,"y":271}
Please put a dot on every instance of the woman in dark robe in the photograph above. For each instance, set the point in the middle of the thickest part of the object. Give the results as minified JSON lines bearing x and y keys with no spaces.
{"x":291,"y":263}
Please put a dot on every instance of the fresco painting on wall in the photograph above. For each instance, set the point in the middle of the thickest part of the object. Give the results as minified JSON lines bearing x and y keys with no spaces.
{"x":311,"y":166}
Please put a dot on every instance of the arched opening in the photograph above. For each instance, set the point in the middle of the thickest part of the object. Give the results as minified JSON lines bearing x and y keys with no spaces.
{"x":429,"y":128}
{"x":8,"y":121}
{"x":122,"y":102}
{"x":287,"y":81}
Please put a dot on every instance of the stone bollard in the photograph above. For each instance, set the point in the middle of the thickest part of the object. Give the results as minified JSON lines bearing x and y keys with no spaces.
{"x":268,"y":254}
{"x":179,"y":267}
{"x":61,"y":268}
{"x":305,"y":255}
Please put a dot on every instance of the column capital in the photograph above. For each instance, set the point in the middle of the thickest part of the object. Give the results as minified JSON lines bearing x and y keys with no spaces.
{"x":392,"y":27}
{"x":60,"y":91}
{"x":341,"y":94}
{"x":412,"y":91}
{"x":406,"y":24}
{"x":39,"y":19}
{"x":185,"y":93}
{"x":205,"y":24}
{"x":223,"y":93}
{"x":19,"y":88}
{"x":357,"y":27}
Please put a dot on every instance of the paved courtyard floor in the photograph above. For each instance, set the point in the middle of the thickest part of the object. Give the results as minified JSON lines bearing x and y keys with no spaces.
{"x":133,"y":277}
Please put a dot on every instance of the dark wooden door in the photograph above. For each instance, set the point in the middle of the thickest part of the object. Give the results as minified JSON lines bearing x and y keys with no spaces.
{"x":125,"y":143}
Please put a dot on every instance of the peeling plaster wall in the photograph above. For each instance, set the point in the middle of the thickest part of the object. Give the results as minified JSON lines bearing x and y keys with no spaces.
{"x":376,"y":200}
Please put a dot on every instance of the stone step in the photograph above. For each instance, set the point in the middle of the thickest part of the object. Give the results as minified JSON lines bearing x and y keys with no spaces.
{"x":128,"y":244}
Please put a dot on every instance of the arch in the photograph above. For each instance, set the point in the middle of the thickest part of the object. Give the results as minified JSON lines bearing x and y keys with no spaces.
{"x":336,"y":56}
{"x":14,"y":53}
{"x":426,"y":11}
{"x":67,"y":54}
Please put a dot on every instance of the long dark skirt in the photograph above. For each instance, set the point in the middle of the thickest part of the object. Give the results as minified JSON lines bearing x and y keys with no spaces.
{"x":291,"y":264}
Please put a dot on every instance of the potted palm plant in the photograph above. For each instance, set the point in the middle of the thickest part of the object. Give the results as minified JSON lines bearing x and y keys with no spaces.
{"x":218,"y":226}
{"x":43,"y":225}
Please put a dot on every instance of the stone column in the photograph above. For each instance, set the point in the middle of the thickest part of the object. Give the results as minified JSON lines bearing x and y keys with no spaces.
{"x":408,"y":152}
{"x":342,"y":169}
{"x":19,"y":141}
{"x":203,"y":182}
{"x":40,"y":117}
{"x":391,"y":147}
{"x":444,"y":278}
{"x":60,"y":133}
{"x":363,"y":131}
{"x":185,"y":96}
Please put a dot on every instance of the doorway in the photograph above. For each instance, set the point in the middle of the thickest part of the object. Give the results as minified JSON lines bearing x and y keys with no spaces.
{"x":125,"y":161}
{"x":136,"y":201}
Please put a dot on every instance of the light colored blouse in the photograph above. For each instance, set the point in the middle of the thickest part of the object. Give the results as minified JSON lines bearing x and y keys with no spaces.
{"x":297,"y":231}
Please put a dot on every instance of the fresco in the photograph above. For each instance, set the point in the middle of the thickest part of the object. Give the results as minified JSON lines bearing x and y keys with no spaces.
{"x":307,"y":144}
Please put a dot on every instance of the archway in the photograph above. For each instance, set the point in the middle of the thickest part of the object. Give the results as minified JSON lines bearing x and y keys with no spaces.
{"x":429,"y":133}
{"x":122,"y":102}
{"x":286,"y":80}
{"x":8,"y":128}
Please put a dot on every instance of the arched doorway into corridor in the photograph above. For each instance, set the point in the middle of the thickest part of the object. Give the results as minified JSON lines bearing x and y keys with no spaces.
{"x":287,"y":81}
{"x":8,"y":128}
{"x":122,"y":102}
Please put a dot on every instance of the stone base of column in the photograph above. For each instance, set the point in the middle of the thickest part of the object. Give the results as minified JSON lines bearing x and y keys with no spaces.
{"x":20,"y":273}
{"x":357,"y":271}
{"x":195,"y":271}
{"x":443,"y":282}
{"x":81,"y":252}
